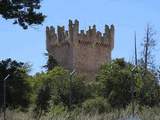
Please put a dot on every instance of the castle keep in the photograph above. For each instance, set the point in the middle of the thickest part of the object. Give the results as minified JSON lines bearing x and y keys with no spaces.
{"x":83,"y":51}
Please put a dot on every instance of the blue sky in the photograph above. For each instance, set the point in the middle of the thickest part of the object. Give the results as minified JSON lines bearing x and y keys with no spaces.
{"x":127,"y":16}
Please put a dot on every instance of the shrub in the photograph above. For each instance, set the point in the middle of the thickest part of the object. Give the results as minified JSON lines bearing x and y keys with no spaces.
{"x":56,"y":88}
{"x":97,"y":104}
{"x":17,"y":84}
{"x":116,"y":80}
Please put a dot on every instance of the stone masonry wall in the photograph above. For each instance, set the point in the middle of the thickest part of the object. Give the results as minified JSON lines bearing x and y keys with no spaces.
{"x":83,"y":51}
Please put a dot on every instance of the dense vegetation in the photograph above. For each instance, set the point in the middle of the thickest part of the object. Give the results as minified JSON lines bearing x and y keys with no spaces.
{"x":22,"y":12}
{"x":56,"y":92}
{"x":17,"y":85}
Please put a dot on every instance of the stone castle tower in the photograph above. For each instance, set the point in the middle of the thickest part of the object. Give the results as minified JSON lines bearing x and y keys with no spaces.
{"x":83,"y":51}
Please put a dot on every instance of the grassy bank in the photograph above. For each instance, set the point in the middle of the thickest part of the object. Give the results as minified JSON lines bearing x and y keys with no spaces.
{"x":143,"y":114}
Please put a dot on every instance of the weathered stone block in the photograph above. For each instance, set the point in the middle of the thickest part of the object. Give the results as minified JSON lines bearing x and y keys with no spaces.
{"x":83,"y":51}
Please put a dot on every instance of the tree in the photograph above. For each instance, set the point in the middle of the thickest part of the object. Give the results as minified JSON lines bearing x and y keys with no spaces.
{"x":59,"y":89}
{"x":42,"y":100}
{"x":150,"y":91}
{"x":150,"y":87}
{"x":116,"y":79}
{"x":17,"y":86}
{"x":148,"y":45}
{"x":23,"y":12}
{"x":51,"y":62}
{"x":63,"y":87}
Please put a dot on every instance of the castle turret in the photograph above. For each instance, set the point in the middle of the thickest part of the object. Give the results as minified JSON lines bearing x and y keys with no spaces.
{"x":71,"y":30}
{"x":76,"y":28}
{"x":112,"y":36}
{"x":61,"y":33}
{"x":47,"y":38}
{"x":84,"y":51}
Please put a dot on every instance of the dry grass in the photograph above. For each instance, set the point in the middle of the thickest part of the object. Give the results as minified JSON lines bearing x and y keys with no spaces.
{"x":144,"y":114}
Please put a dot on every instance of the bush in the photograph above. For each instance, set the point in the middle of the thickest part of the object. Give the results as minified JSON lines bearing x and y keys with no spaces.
{"x":116,"y":80}
{"x":97,"y":104}
{"x":56,"y":88}
{"x":42,"y":100}
{"x":18,"y":88}
{"x":57,"y":110}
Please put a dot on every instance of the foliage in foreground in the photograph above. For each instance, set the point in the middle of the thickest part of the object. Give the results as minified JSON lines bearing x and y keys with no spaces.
{"x":23,"y":12}
{"x":17,"y":85}
{"x":57,"y":88}
{"x":116,"y":79}
{"x":144,"y":114}
{"x":54,"y":92}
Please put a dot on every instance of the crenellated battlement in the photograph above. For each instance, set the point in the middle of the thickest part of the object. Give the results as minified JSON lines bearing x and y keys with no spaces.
{"x":73,"y":35}
{"x":77,"y":49}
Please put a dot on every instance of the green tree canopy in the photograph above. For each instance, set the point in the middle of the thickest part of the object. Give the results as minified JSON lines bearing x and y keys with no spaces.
{"x":56,"y":87}
{"x":117,"y":78}
{"x":23,"y":12}
{"x":51,"y":62}
{"x":17,"y":86}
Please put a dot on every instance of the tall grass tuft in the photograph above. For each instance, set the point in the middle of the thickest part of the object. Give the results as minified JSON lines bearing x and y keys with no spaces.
{"x":143,"y":113}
